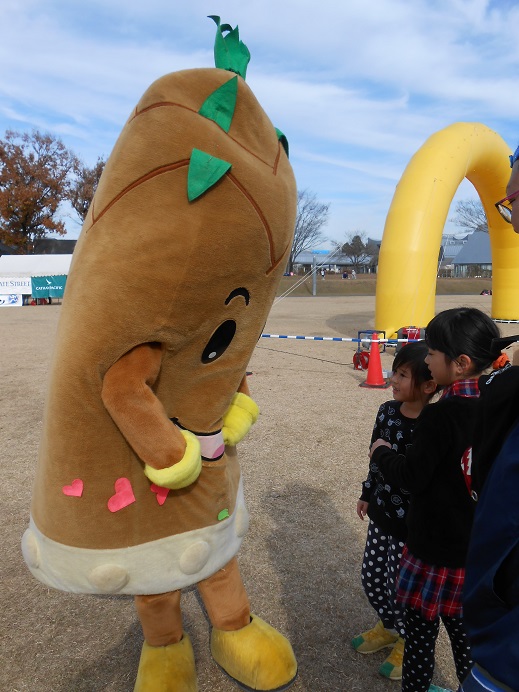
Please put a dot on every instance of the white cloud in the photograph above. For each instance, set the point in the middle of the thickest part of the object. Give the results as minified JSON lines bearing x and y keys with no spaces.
{"x":356,"y":92}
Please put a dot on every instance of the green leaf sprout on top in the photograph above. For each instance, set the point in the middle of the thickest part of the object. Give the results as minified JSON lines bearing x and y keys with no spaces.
{"x":229,"y":52}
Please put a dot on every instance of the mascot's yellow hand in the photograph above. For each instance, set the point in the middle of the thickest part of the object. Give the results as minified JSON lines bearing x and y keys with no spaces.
{"x":239,"y":418}
{"x":184,"y":472}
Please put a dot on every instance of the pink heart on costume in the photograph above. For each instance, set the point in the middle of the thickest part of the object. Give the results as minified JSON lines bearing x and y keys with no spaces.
{"x":161,"y":492}
{"x":75,"y":489}
{"x":123,"y":495}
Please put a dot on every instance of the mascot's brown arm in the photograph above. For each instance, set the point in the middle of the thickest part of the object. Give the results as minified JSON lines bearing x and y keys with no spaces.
{"x":128,"y":397}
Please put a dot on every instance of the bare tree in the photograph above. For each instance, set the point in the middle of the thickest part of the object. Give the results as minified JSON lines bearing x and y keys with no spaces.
{"x":34,"y":179}
{"x":84,"y":186}
{"x":312,"y":215}
{"x":470,"y":215}
{"x":359,"y":250}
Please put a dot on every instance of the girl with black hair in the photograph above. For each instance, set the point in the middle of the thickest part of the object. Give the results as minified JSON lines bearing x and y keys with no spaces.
{"x":386,"y":506}
{"x":460,"y":347}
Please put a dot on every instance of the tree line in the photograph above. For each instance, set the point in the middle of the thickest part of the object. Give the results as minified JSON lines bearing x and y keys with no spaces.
{"x":38,"y":175}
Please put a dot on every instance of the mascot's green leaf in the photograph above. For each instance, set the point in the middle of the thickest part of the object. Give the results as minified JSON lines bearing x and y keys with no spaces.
{"x":283,"y":140}
{"x":229,"y":52}
{"x":219,"y":106}
{"x":204,"y":172}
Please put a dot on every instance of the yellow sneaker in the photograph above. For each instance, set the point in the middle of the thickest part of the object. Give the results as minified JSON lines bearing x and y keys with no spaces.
{"x":373,"y":640}
{"x":257,"y":656}
{"x":167,"y":668}
{"x":392,"y":666}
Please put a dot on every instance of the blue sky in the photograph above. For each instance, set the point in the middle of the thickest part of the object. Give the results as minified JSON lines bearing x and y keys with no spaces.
{"x":357,"y":88}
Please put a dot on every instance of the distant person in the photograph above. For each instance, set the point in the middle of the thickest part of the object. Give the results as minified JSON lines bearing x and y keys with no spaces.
{"x":491,"y":596}
{"x":345,"y":275}
{"x":460,"y":347}
{"x":353,"y":274}
{"x":386,"y":506}
{"x":322,"y":274}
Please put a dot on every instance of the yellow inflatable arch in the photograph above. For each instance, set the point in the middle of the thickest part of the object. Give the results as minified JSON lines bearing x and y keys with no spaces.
{"x":408,"y":261}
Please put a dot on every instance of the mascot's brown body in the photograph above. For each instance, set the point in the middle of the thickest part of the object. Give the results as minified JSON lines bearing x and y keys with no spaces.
{"x":138,"y":489}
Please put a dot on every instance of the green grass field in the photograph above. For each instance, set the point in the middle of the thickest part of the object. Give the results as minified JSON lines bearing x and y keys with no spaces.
{"x":365,"y":285}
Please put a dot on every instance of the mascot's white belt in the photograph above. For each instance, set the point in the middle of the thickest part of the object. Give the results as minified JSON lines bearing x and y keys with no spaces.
{"x":167,"y":564}
{"x":212,"y":445}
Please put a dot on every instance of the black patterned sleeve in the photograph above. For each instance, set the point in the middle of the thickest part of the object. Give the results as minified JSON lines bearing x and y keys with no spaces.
{"x":431,"y":443}
{"x":369,"y":485}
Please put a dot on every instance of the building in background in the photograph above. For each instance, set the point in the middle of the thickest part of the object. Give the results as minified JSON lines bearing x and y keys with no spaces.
{"x":475,"y":257}
{"x":335,"y":262}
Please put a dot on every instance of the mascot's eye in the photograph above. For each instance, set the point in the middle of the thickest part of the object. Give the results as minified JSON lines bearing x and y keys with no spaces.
{"x":219,"y":341}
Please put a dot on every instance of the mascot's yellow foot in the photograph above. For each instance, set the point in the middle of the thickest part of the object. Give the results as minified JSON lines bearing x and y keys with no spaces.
{"x":257,"y":656}
{"x":167,"y":668}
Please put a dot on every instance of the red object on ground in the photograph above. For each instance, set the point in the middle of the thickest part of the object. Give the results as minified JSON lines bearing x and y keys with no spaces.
{"x":360,"y":360}
{"x":412,"y":333}
{"x":375,"y":376}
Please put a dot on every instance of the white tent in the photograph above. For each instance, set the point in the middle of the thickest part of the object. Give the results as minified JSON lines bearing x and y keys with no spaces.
{"x":34,"y":265}
{"x":39,"y":276}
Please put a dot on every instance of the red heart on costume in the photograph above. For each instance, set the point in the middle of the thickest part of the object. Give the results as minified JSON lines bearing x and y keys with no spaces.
{"x":161,"y":492}
{"x":75,"y":489}
{"x":123,"y":495}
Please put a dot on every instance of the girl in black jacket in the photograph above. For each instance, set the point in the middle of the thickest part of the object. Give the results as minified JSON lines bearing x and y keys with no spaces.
{"x":441,"y":510}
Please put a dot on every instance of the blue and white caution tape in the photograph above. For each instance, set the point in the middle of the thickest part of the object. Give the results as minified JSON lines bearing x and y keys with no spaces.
{"x":337,"y":338}
{"x":309,"y":338}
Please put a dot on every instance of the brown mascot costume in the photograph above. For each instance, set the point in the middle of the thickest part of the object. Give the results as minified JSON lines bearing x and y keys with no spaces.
{"x":138,"y":488}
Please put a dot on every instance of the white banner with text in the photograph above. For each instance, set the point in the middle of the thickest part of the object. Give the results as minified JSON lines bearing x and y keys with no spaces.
{"x":15,"y":284}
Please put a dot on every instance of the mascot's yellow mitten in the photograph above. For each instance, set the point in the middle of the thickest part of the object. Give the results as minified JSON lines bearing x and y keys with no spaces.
{"x":138,"y":487}
{"x":183,"y":472}
{"x":239,"y":418}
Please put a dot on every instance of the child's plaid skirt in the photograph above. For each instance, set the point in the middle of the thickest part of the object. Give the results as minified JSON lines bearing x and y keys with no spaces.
{"x":432,"y":591}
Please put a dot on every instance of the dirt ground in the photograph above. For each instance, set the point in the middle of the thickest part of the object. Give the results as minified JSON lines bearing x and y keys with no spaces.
{"x":302,"y":463}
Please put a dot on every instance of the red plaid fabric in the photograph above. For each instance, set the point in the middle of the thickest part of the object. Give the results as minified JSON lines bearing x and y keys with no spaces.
{"x":432,"y":591}
{"x":467,"y":388}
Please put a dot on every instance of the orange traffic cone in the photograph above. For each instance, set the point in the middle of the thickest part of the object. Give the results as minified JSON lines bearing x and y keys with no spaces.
{"x":375,"y":378}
